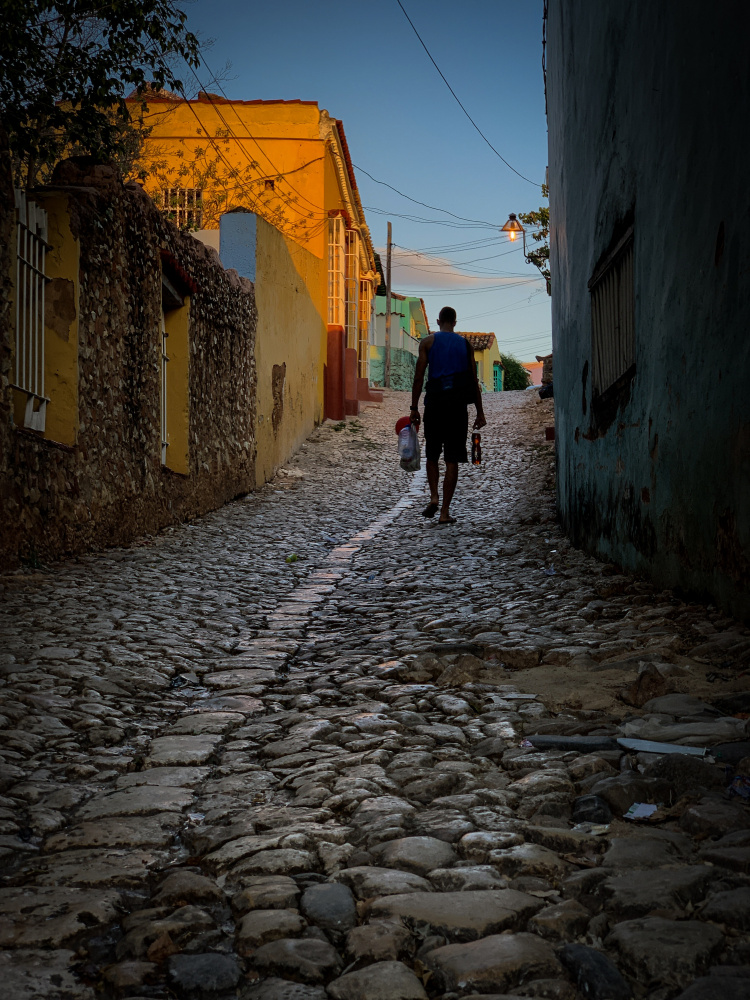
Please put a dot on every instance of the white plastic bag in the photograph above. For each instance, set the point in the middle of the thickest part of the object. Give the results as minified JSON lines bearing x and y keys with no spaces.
{"x":409,"y":449}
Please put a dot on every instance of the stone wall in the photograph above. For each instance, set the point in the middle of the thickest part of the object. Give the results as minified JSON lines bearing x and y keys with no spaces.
{"x":110,"y":486}
{"x":655,"y":475}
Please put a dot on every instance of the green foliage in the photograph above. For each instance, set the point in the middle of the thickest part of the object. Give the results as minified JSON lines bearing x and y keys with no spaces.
{"x":539,"y":220}
{"x":66,"y":68}
{"x":516,"y":376}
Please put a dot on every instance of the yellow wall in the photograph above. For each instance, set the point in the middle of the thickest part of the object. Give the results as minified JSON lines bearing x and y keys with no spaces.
{"x":176,"y":323}
{"x":233,"y":151}
{"x":486,"y":360}
{"x":290,"y":330}
{"x":230,"y":150}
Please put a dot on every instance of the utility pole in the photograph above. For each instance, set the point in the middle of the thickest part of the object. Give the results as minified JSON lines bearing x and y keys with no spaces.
{"x":387,"y":375}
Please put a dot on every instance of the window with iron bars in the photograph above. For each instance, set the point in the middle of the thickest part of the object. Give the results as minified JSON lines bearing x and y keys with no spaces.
{"x":164,"y":380}
{"x":365,"y":313}
{"x":352,"y":287}
{"x":336,"y":271}
{"x":613,"y":317}
{"x":183,"y":206}
{"x":31,"y":281}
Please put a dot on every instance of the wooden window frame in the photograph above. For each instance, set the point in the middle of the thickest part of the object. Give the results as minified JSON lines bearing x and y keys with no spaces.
{"x":612,"y":290}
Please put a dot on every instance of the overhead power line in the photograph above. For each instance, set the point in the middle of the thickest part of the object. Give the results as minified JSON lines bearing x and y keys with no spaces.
{"x":453,"y":290}
{"x":424,"y":203}
{"x":441,"y":261}
{"x":278,"y":173}
{"x":428,"y":222}
{"x":495,"y":151}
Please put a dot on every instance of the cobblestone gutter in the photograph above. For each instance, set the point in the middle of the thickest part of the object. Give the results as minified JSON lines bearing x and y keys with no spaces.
{"x":314,"y":747}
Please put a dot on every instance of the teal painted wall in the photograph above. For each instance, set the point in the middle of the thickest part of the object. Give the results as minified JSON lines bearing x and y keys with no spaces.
{"x":655,"y":475}
{"x":403,"y":365}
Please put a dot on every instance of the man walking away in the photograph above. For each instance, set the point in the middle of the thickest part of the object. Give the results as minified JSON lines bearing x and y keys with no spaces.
{"x":451,"y":386}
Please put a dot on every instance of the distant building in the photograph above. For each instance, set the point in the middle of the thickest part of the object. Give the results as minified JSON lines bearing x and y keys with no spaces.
{"x":287,"y":162}
{"x":490,"y":371}
{"x":540,"y":370}
{"x":648,"y":106}
{"x":408,"y":326}
{"x":534,"y":368}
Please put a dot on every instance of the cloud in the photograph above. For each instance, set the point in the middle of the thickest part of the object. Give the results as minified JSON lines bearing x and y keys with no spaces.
{"x":411,"y":270}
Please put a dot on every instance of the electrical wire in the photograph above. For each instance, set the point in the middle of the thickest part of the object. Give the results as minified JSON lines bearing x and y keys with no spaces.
{"x":424,"y":203}
{"x":452,"y":290}
{"x":260,"y":208}
{"x":430,"y":222}
{"x":282,"y":196}
{"x":277,"y":173}
{"x":442,"y":260}
{"x":466,"y":247}
{"x":459,"y":274}
{"x":514,"y":306}
{"x":510,"y":167}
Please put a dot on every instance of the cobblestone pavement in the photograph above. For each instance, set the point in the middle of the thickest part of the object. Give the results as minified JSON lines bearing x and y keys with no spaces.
{"x":314,"y":746}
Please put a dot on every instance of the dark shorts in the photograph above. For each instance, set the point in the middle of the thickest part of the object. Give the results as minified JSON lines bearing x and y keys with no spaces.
{"x":446,"y":427}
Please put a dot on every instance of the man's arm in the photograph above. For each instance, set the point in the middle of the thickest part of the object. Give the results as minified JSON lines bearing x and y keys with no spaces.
{"x":480,"y":419}
{"x":422,"y":360}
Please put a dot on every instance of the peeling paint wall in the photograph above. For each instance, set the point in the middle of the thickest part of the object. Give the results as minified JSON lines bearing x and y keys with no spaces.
{"x":106,"y":484}
{"x":408,"y":325}
{"x":403,"y":366}
{"x":648,"y":106}
{"x":290,"y":329}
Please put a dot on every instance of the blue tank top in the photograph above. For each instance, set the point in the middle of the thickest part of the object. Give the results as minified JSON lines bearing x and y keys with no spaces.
{"x":448,"y":355}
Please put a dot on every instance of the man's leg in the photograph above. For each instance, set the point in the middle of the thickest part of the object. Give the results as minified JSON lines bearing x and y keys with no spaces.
{"x":449,"y":488}
{"x":433,"y":479}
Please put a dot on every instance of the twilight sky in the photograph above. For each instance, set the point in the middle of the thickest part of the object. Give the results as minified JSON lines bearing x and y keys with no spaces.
{"x":364,"y":64}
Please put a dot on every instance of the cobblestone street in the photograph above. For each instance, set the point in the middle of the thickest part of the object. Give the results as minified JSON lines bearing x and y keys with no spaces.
{"x":315,"y":746}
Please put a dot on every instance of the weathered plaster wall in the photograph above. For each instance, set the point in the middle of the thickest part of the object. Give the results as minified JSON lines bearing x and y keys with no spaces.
{"x":108,"y":485}
{"x":404,"y":347}
{"x":403,"y":365}
{"x":288,"y":347}
{"x":648,"y":108}
{"x":290,"y":331}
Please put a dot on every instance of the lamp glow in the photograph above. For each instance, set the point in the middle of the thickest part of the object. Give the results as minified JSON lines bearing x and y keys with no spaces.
{"x":512,"y":227}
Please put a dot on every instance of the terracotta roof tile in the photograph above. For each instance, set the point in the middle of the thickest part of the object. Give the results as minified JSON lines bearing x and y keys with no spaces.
{"x":479,"y":341}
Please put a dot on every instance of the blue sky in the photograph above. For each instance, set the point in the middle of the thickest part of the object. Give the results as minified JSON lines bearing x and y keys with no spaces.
{"x":364,"y":64}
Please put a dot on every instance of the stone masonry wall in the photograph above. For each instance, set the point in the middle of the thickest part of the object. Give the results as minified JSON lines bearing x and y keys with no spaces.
{"x":111,"y":486}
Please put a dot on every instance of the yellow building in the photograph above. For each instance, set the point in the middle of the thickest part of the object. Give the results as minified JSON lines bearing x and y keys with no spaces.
{"x":490,"y":369}
{"x":289,"y":163}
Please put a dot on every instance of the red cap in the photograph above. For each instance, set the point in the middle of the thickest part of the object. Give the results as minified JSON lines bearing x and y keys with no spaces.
{"x":403,"y":422}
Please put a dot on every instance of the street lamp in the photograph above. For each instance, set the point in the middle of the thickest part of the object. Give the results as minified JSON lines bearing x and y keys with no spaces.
{"x":513,"y":227}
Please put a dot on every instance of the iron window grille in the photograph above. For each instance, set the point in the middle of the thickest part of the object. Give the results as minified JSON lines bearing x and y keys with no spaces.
{"x":352,"y":287}
{"x":365,"y":313}
{"x":336,"y":271}
{"x":31,"y":281}
{"x":613,"y":317}
{"x":184,"y":206}
{"x":164,"y":363}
